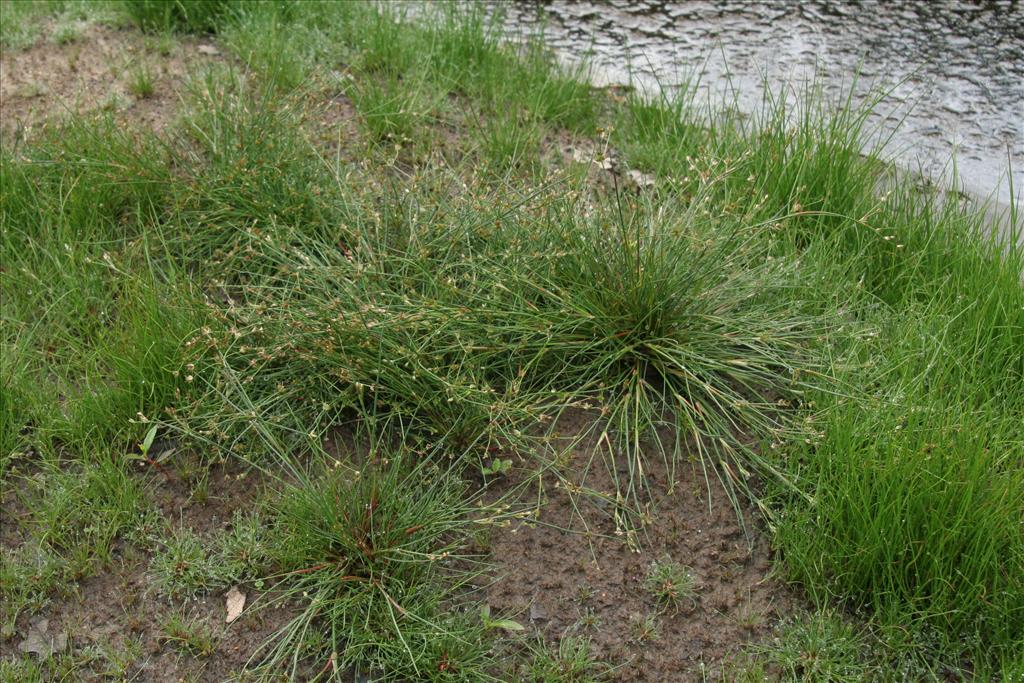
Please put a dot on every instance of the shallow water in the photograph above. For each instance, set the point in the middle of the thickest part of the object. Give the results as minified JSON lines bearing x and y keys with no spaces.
{"x":956,"y":68}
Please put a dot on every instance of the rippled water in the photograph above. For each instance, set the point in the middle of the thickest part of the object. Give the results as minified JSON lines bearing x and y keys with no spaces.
{"x":956,"y":68}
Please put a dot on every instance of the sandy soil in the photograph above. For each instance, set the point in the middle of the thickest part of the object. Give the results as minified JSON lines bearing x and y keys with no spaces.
{"x":48,"y":81}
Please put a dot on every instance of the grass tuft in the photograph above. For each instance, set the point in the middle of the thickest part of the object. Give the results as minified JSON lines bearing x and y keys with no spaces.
{"x":372,"y":554}
{"x":189,"y":16}
{"x":670,"y":583}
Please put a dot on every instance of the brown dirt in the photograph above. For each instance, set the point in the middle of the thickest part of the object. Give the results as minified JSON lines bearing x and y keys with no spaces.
{"x":49,"y":81}
{"x":334,"y":127}
{"x":184,"y":498}
{"x":571,"y":573}
{"x":555,"y":574}
{"x":117,"y":611}
{"x":13,"y":512}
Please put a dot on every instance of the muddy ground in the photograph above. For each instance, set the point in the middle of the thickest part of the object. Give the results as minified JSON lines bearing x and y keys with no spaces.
{"x":570,"y":570}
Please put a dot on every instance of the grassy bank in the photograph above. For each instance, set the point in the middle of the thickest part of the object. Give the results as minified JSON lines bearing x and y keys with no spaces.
{"x":373,"y":264}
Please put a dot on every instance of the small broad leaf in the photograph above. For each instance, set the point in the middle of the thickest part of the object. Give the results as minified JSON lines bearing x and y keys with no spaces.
{"x":147,"y":442}
{"x":508,"y":625}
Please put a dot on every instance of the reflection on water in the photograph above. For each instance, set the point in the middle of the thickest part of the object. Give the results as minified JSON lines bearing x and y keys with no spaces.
{"x":960,"y":64}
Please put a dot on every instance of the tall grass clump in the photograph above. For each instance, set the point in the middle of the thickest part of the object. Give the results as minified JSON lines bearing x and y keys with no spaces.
{"x":806,"y":158}
{"x":467,"y":52}
{"x":916,"y":517}
{"x":129,"y":363}
{"x":664,"y":317}
{"x":799,"y":156}
{"x":138,"y":366}
{"x":17,"y":362}
{"x":373,"y":555}
{"x":465,"y":329}
{"x":916,"y":477}
{"x":917,"y":493}
{"x":378,"y":326}
{"x":510,"y":142}
{"x":279,"y":50}
{"x":908,"y":467}
{"x":397,"y":109}
{"x":254,"y":168}
{"x":464,"y":46}
{"x":88,"y":292}
{"x":88,"y":180}
{"x":552,"y":92}
{"x":188,"y":16}
{"x":660,"y":133}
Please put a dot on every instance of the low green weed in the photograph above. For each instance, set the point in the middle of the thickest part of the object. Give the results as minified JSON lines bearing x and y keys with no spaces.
{"x":20,"y":24}
{"x":140,"y":82}
{"x":76,"y":513}
{"x":243,"y":551}
{"x":66,"y":33}
{"x":819,"y":647}
{"x":570,"y":662}
{"x":670,"y":583}
{"x":84,"y":510}
{"x":29,"y":576}
{"x":192,"y":635}
{"x":184,"y":566}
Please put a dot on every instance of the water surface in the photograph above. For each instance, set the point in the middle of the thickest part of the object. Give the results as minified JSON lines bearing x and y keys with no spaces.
{"x":956,"y":68}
